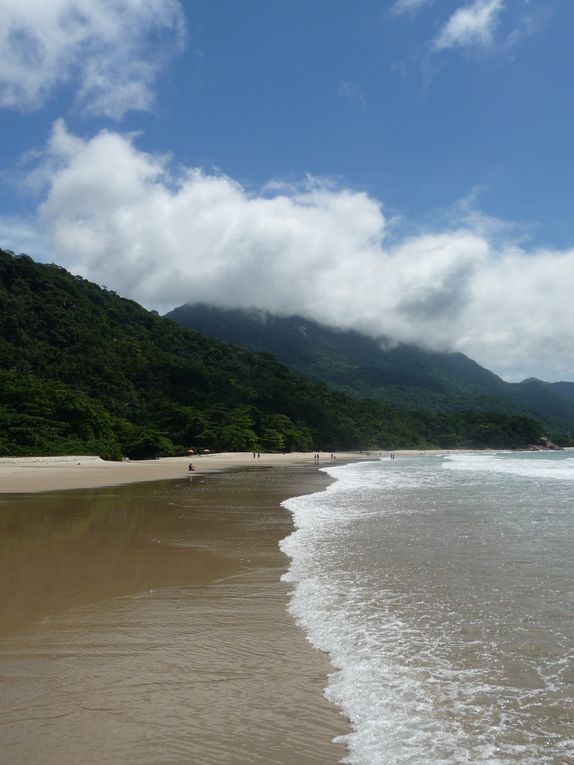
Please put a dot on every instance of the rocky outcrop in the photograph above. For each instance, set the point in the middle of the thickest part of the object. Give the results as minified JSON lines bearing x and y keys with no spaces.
{"x":544,"y":444}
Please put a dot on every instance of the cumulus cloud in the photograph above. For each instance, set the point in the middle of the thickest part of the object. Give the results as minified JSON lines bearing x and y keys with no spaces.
{"x":471,"y":26}
{"x":121,"y":217}
{"x":110,"y":51}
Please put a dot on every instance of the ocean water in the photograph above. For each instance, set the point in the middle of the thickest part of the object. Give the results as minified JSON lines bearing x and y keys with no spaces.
{"x":442,"y":589}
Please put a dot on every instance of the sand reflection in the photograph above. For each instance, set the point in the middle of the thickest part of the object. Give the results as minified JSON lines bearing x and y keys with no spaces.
{"x":147,"y":624}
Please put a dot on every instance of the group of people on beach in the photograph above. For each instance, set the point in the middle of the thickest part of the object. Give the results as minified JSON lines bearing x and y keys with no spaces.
{"x":317,"y":456}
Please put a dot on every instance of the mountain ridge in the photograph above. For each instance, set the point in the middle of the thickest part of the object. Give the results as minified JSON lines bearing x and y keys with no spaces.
{"x":400,"y":375}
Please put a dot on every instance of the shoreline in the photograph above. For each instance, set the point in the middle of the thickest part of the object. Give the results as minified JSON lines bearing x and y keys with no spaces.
{"x":25,"y":475}
{"x":189,"y":569}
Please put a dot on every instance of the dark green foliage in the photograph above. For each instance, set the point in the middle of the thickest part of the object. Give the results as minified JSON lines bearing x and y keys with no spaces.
{"x":471,"y":429}
{"x":401,"y":375}
{"x":47,"y":417}
{"x":83,"y":370}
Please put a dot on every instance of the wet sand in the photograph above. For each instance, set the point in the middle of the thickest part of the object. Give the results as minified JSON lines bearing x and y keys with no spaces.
{"x":147,"y":624}
{"x":38,"y":474}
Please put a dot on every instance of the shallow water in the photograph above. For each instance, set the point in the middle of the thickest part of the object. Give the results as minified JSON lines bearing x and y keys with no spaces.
{"x":442,"y":589}
{"x":148,"y":624}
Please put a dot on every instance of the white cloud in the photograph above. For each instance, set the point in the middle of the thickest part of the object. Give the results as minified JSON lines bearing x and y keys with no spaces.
{"x":110,"y":51}
{"x":407,"y":6}
{"x":121,"y":217}
{"x":470,"y":26}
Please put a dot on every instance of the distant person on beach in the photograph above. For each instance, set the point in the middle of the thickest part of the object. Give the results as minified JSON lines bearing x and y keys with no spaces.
{"x":191,"y":467}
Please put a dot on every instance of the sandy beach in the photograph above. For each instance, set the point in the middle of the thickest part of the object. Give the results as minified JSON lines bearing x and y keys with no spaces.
{"x":39,"y":474}
{"x":148,"y":622}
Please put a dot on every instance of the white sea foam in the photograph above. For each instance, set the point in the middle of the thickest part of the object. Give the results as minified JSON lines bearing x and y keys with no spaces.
{"x":410,"y":698}
{"x":528,"y":465}
{"x":386,"y":701}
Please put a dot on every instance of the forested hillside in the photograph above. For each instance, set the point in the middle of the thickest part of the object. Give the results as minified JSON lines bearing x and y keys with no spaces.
{"x":403,"y":376}
{"x":84,"y":370}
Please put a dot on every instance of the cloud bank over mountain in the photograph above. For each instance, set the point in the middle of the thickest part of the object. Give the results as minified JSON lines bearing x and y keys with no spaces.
{"x":164,"y":236}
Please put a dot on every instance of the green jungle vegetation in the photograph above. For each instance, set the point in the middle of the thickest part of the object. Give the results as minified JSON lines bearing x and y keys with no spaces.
{"x":402,"y":375}
{"x":83,"y":370}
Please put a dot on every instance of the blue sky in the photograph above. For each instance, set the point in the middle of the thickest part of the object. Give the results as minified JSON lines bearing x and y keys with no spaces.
{"x":400,"y":167}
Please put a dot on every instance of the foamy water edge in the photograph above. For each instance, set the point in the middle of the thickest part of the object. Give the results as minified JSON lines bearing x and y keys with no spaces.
{"x":387,"y":702}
